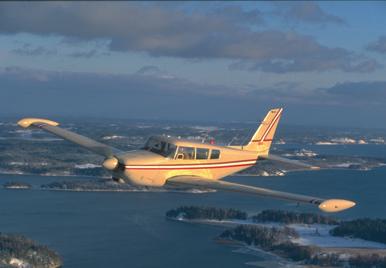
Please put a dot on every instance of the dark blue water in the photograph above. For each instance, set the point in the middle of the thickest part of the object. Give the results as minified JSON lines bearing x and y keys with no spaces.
{"x":102,"y":229}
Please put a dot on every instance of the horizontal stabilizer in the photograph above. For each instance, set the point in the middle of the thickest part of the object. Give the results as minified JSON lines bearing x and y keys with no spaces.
{"x":289,"y":161}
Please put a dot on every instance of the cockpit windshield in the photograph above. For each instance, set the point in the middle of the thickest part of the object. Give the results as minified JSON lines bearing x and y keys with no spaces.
{"x":160,"y":147}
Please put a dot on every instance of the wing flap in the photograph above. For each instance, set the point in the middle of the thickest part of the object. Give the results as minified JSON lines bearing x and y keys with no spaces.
{"x":52,"y":127}
{"x":330,"y":205}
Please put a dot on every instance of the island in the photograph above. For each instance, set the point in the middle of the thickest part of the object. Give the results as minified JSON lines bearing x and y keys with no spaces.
{"x":107,"y":185}
{"x":209,"y":213}
{"x":288,"y":217}
{"x":368,"y":229}
{"x":304,"y":238}
{"x":19,"y":251}
{"x":87,"y":185}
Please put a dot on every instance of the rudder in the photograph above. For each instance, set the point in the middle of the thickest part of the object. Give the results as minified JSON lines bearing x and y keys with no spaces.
{"x":262,"y":139}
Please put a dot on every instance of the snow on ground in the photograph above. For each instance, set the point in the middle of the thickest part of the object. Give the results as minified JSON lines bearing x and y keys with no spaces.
{"x":88,"y":165}
{"x":314,"y":234}
{"x":318,"y":234}
{"x":325,"y":143}
{"x":205,"y":128}
{"x":15,"y":163}
{"x":344,"y":165}
{"x":113,"y":137}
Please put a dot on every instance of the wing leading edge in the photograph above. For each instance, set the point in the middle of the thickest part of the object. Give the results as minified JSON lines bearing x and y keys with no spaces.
{"x":326,"y":205}
{"x":52,"y":127}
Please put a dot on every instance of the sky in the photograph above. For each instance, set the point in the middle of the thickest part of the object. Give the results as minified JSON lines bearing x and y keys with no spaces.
{"x":324,"y":62}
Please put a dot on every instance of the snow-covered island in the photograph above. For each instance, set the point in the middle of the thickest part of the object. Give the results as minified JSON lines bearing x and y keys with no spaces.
{"x":17,"y":185}
{"x":19,"y":251}
{"x":347,"y":140}
{"x":306,"y":238}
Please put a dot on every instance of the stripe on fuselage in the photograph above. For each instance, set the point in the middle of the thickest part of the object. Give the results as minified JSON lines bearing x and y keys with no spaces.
{"x":231,"y":164}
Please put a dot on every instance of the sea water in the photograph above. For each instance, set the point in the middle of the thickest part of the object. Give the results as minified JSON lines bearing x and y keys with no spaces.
{"x":129,"y":229}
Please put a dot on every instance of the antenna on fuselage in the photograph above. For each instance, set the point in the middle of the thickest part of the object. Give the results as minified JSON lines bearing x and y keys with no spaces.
{"x":205,"y":138}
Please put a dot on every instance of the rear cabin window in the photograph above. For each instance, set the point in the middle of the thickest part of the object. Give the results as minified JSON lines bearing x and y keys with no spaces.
{"x":215,"y":154}
{"x":185,"y":153}
{"x":202,"y":153}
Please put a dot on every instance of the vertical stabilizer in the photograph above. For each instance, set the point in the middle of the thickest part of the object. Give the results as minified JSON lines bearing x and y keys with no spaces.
{"x":262,"y":139}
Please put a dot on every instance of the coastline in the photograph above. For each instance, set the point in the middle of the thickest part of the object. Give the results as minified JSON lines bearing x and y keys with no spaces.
{"x":300,"y":239}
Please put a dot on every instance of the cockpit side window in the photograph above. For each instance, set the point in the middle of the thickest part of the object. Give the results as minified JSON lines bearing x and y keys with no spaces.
{"x":185,"y":153}
{"x":160,"y":147}
{"x":215,"y":154}
{"x":154,"y":145}
{"x":202,"y":153}
{"x":170,"y":150}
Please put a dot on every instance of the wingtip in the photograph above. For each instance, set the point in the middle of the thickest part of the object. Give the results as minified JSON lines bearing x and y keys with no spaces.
{"x":336,"y":205}
{"x":26,"y":122}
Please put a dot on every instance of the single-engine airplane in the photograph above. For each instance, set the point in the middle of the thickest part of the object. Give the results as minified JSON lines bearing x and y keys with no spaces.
{"x":176,"y":162}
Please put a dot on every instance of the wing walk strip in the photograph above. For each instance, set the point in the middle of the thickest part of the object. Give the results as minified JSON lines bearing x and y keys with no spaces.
{"x":277,"y":116}
{"x":249,"y":162}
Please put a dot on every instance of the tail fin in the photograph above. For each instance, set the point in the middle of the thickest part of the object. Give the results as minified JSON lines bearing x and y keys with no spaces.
{"x":262,"y":139}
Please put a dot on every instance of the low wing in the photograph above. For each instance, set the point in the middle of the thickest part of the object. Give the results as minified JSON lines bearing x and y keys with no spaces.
{"x":52,"y":127}
{"x":329,"y":205}
{"x":297,"y":163}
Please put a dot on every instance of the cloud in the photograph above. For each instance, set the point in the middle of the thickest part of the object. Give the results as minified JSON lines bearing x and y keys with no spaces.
{"x":235,"y":14}
{"x":148,"y":80}
{"x":378,"y":45}
{"x":27,"y":49}
{"x":144,"y":95}
{"x":30,"y":50}
{"x":50,"y":94}
{"x":306,"y":11}
{"x":151,"y":70}
{"x":21,"y":74}
{"x":370,"y":93}
{"x":88,"y":54}
{"x":227,"y":32}
{"x":302,"y":54}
